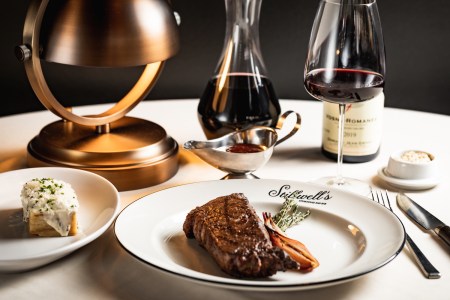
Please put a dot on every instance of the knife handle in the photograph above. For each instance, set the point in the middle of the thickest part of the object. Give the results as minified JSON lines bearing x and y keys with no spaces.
{"x":425,"y":265}
{"x":444,"y":233}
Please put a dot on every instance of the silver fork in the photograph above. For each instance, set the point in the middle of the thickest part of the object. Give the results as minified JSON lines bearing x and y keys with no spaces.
{"x":424,"y":264}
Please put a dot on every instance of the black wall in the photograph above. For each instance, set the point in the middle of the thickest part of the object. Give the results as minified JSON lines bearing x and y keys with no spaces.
{"x":417,"y":37}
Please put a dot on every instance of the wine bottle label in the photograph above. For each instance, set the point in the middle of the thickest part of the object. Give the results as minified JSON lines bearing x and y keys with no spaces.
{"x":362,"y":129}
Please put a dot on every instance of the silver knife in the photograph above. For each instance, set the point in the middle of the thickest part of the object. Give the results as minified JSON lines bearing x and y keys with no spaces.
{"x":422,"y":217}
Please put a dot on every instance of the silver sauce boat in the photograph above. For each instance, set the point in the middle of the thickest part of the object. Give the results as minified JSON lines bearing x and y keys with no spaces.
{"x":242,"y":165}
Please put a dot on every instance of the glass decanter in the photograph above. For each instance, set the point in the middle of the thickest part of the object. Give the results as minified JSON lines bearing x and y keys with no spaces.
{"x":239,"y":95}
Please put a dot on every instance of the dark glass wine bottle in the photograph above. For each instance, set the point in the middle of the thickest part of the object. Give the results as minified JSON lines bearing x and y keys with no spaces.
{"x":239,"y":95}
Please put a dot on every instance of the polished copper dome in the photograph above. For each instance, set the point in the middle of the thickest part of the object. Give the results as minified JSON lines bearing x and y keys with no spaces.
{"x":108,"y":33}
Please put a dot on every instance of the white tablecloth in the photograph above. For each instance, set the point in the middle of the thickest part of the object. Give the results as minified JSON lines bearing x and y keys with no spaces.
{"x":104,"y":270}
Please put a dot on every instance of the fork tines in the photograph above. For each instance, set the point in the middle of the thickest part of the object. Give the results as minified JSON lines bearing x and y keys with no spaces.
{"x":380,"y":199}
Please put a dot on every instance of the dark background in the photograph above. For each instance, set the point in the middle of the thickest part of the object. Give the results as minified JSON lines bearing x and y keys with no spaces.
{"x":417,"y":38}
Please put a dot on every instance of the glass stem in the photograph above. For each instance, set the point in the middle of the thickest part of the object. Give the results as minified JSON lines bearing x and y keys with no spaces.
{"x":340,"y":154}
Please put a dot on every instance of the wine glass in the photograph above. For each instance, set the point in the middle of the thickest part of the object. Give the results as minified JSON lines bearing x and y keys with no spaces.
{"x":345,"y":64}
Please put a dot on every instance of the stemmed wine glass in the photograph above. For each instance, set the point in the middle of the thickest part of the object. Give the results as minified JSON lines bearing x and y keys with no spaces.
{"x":345,"y":64}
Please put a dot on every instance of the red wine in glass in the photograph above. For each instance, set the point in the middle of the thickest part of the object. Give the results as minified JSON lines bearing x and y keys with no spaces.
{"x":345,"y":64}
{"x":344,"y":85}
{"x":237,"y":101}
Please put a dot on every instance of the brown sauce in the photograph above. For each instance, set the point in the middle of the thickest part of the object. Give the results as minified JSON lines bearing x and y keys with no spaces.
{"x":245,"y":148}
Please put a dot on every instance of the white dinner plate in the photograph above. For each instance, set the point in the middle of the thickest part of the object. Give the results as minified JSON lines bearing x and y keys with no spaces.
{"x":19,"y":251}
{"x":350,"y":235}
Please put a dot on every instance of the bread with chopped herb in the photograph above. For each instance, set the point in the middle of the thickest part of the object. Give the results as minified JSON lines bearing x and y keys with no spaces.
{"x":50,"y":207}
{"x":38,"y":226}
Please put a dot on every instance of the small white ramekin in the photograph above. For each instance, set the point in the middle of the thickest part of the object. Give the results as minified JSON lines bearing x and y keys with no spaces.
{"x":403,"y":165}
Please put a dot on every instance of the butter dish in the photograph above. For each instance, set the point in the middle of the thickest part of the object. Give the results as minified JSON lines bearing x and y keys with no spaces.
{"x":411,"y":170}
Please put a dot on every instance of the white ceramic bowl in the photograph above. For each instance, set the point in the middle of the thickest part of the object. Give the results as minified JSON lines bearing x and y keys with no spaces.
{"x":99,"y":205}
{"x":412,"y":165}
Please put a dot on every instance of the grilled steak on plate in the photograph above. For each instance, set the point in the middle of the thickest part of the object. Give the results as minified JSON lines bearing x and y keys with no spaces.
{"x":233,"y":234}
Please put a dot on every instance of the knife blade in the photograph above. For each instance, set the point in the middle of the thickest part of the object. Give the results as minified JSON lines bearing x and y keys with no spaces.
{"x":424,"y":218}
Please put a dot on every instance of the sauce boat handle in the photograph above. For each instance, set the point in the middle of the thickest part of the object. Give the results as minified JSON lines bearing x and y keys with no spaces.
{"x":281,"y":123}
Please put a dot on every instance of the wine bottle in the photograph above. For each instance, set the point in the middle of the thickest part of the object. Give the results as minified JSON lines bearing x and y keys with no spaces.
{"x":362,"y":130}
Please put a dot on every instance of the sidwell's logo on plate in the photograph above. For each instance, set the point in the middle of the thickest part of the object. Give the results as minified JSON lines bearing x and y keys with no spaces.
{"x":318,"y":197}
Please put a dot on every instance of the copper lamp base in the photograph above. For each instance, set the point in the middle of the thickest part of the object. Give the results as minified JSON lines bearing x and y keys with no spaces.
{"x":131,"y":153}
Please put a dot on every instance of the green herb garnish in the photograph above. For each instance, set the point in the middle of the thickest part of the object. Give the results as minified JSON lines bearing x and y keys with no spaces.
{"x":289,"y":214}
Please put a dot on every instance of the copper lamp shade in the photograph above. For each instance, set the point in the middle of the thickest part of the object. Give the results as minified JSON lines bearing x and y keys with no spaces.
{"x":130,"y":152}
{"x":108,"y":33}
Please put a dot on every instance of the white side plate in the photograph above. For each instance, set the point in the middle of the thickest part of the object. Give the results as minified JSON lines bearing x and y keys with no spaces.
{"x":99,"y":205}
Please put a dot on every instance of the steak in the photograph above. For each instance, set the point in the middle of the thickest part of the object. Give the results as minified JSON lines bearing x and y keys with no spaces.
{"x":233,"y":234}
